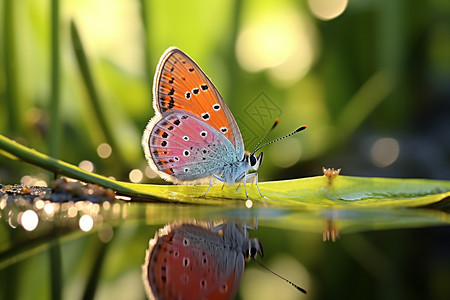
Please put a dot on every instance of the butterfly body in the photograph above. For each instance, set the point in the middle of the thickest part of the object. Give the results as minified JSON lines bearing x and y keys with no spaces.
{"x":193,"y":137}
{"x":197,"y":260}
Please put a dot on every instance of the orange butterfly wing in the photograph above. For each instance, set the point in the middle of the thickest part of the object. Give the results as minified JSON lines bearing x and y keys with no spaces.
{"x":180,"y":85}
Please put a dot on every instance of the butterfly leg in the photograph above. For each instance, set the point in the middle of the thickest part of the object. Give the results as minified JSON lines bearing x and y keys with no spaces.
{"x":215,"y":228}
{"x":210,"y":182}
{"x":247,"y":176}
{"x":250,"y":227}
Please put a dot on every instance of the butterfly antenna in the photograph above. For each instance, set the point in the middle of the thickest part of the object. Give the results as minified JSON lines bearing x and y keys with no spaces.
{"x":278,"y":139}
{"x":269,"y":131}
{"x":288,"y":281}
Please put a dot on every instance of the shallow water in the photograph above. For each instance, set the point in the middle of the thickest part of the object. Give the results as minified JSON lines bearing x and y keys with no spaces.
{"x":96,"y":250}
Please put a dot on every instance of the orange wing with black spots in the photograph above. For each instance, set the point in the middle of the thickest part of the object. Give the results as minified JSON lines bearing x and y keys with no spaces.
{"x":180,"y":85}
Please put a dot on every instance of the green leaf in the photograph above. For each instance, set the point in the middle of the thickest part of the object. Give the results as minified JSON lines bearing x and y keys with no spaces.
{"x":357,"y":191}
{"x":313,"y":192}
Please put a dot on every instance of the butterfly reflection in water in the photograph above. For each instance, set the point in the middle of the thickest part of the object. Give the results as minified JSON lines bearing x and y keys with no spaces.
{"x":193,"y":137}
{"x":196,"y":260}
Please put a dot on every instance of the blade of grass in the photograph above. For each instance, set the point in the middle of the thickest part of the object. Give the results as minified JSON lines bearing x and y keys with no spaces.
{"x":366,"y":99}
{"x":23,"y":249}
{"x":230,"y":54}
{"x":94,"y":277}
{"x":10,"y":275}
{"x":55,"y":124}
{"x":9,"y":44}
{"x":56,"y":269}
{"x":55,"y":140}
{"x":94,"y":95}
{"x":10,"y":281}
{"x":146,"y":40}
{"x":54,"y":165}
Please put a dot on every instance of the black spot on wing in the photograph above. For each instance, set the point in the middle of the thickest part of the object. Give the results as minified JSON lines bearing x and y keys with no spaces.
{"x":171,"y":103}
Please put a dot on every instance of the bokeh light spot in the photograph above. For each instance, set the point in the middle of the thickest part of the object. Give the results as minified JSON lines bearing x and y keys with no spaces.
{"x":106,"y":234}
{"x":3,"y":203}
{"x":39,"y":204}
{"x":41,"y":183}
{"x":280,"y":41}
{"x":49,"y":209}
{"x":286,"y":153}
{"x":110,"y":38}
{"x":150,"y":173}
{"x":327,"y":9}
{"x":27,"y":180}
{"x":86,"y":223}
{"x":34,"y":181}
{"x":106,"y":205}
{"x":29,"y":220}
{"x":86,"y":165}
{"x":104,"y":150}
{"x":72,"y":211}
{"x":249,"y":203}
{"x":136,"y":176}
{"x":384,"y":152}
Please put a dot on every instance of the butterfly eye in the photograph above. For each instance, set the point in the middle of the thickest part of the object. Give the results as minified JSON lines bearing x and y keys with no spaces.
{"x":253,"y":252}
{"x":255,"y":248}
{"x":254,"y":162}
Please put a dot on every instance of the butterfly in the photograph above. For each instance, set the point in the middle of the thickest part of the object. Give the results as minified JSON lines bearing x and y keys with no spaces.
{"x":193,"y":137}
{"x":195,"y":260}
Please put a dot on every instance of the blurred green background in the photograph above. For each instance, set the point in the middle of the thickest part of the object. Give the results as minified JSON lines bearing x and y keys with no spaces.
{"x":370,"y":79}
